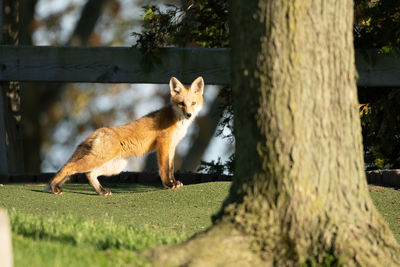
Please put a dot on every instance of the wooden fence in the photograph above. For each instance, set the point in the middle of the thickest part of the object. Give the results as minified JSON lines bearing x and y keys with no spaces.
{"x":129,"y":65}
{"x":112,"y":64}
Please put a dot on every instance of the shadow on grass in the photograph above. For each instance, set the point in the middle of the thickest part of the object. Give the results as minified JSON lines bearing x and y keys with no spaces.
{"x":116,"y":188}
{"x":82,"y":193}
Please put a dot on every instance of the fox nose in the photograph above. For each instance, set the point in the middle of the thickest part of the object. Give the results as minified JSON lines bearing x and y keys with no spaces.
{"x":188,"y":115}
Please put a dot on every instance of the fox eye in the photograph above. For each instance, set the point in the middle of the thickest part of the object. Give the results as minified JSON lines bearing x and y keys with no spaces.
{"x":193,"y":103}
{"x":181,"y":104}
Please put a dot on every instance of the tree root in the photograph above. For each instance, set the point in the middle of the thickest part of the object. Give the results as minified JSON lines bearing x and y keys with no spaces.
{"x":225,"y":245}
{"x":221,"y":245}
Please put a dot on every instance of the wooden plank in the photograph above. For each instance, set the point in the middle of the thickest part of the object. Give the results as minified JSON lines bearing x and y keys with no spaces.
{"x":128,"y":65}
{"x":377,"y":69}
{"x":112,"y":64}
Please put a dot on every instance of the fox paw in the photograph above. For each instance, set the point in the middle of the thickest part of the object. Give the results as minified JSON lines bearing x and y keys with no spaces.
{"x":56,"y":190}
{"x":105,"y":192}
{"x":176,"y":185}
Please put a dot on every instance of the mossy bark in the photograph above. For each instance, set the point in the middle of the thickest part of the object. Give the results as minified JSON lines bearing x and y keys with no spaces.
{"x":299,"y":195}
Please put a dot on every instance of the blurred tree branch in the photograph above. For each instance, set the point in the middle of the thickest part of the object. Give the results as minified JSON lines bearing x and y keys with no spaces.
{"x":39,"y":99}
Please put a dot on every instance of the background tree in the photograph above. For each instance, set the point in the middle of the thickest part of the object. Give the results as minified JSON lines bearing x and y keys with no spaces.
{"x":49,"y":109}
{"x":299,"y":194}
{"x":377,"y":26}
{"x":201,"y":23}
{"x":380,"y":121}
{"x":11,"y":159}
{"x":42,"y":101}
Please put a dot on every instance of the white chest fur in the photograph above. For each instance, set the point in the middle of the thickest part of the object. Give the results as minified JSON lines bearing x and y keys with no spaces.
{"x":181,"y":131}
{"x":183,"y":125}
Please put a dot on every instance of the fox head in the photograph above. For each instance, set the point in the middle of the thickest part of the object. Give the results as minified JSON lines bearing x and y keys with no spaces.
{"x":187,"y":102}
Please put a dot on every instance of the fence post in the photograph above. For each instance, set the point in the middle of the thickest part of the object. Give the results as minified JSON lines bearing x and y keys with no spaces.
{"x":11,"y":151}
{"x":3,"y":153}
{"x":6,"y":255}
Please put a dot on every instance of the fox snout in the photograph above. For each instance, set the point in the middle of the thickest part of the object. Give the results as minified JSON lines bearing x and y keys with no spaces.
{"x":187,"y":115}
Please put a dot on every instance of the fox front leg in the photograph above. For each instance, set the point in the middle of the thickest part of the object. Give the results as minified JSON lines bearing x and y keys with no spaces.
{"x":165,"y":164}
{"x":176,"y":183}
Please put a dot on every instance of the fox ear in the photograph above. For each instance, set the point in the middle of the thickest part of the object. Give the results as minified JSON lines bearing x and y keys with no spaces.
{"x":175,"y":85}
{"x":198,"y":86}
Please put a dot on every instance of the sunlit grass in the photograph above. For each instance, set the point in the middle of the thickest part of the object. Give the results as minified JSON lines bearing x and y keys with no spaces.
{"x":79,"y":228}
{"x":387,"y":201}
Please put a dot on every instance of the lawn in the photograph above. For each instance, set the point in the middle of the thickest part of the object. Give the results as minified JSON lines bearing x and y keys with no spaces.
{"x":387,"y":201}
{"x":79,"y":228}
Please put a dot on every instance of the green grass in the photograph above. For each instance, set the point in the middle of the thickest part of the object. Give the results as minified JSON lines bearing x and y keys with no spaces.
{"x":387,"y":201}
{"x":67,"y":241}
{"x":31,"y":252}
{"x":80,"y":228}
{"x":185,"y":210}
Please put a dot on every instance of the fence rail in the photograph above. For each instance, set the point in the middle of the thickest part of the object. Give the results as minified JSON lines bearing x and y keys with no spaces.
{"x":112,"y":64}
{"x":129,"y":65}
{"x":377,"y":69}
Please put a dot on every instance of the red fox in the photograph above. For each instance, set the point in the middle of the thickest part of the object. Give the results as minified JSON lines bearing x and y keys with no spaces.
{"x":106,"y":150}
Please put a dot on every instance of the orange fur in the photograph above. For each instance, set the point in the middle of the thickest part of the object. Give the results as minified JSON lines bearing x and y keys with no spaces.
{"x":106,"y":150}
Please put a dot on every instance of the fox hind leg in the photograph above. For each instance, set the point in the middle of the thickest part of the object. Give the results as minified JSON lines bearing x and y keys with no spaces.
{"x":111,"y":167}
{"x":82,"y":165}
{"x":91,"y":157}
{"x":61,"y":177}
{"x":94,"y":182}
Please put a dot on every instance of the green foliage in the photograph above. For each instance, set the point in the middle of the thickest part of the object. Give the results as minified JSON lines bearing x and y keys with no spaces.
{"x":157,"y":27}
{"x":218,"y":167}
{"x":377,"y":24}
{"x":380,"y":123}
{"x":200,"y":23}
{"x":226,"y":114}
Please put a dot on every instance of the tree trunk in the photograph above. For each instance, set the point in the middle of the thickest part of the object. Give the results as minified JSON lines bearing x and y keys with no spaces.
{"x":299,"y":194}
{"x":85,"y":26}
{"x":11,"y":149}
{"x":38,"y":98}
